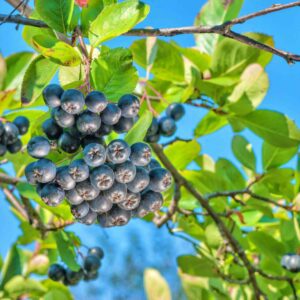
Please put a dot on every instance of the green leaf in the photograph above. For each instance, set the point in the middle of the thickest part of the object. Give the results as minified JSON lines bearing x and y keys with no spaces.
{"x":56,"y":13}
{"x":57,"y":51}
{"x":91,"y":11}
{"x":215,"y":12}
{"x":251,"y":90}
{"x":29,"y":234}
{"x":190,"y":225}
{"x":19,"y":285}
{"x":37,"y":76}
{"x":243,"y":151}
{"x":266,"y":244}
{"x":113,"y":73}
{"x":171,"y":69}
{"x":212,"y":235}
{"x":29,"y":31}
{"x":156,"y":286}
{"x":274,"y":127}
{"x":200,"y":60}
{"x":16,"y":66}
{"x":12,"y":265}
{"x":273,"y":157}
{"x":116,"y":19}
{"x":69,"y":75}
{"x":66,"y":250}
{"x":238,"y":57}
{"x":28,"y":191}
{"x":205,"y":162}
{"x":211,"y":122}
{"x":138,"y":132}
{"x":227,"y":170}
{"x":196,"y":266}
{"x":190,"y":151}
{"x":57,"y":290}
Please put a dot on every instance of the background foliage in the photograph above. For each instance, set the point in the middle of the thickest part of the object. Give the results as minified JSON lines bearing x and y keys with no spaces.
{"x":232,"y":90}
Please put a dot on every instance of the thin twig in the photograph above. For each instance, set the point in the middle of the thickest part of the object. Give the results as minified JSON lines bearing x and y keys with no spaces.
{"x":179,"y":179}
{"x":21,"y":6}
{"x":223,"y":29}
{"x":15,"y":203}
{"x":9,"y":180}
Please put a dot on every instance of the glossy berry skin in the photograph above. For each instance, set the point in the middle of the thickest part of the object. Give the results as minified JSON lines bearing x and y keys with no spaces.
{"x":111,"y":114}
{"x":3,"y":149}
{"x":22,"y":123}
{"x":52,"y":94}
{"x":118,"y":151}
{"x":79,"y":170}
{"x":102,"y":177}
{"x":140,"y":154}
{"x":140,"y":181}
{"x":15,"y":147}
{"x":91,"y":263}
{"x":132,"y":201}
{"x":291,"y":262}
{"x":123,"y":125}
{"x":175,"y":111}
{"x":153,"y":129}
{"x":117,"y":193}
{"x":88,"y":122}
{"x":44,"y":170}
{"x":73,"y":277}
{"x":125,"y":172}
{"x":141,"y":211}
{"x":81,"y":210}
{"x":62,"y":118}
{"x":105,"y":220}
{"x":89,"y":219}
{"x":104,"y":130}
{"x":73,"y":197}
{"x":160,"y":180}
{"x":38,"y":147}
{"x":94,"y":155}
{"x":167,"y":126}
{"x":285,"y":260}
{"x":153,"y":201}
{"x":11,"y":133}
{"x":119,"y":217}
{"x":86,"y":190}
{"x":90,"y":139}
{"x":56,"y":272}
{"x":153,"y":164}
{"x":30,"y":173}
{"x":101,"y":204}
{"x":129,"y":105}
{"x":96,"y":101}
{"x":51,"y":129}
{"x":64,"y":179}
{"x":96,"y":251}
{"x":52,"y":194}
{"x":72,"y":101}
{"x":68,"y":143}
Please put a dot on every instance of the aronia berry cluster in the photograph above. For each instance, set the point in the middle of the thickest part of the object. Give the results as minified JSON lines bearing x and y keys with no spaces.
{"x":110,"y":183}
{"x":89,"y":270}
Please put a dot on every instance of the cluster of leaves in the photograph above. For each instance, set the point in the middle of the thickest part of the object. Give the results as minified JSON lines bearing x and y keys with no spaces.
{"x":221,"y":75}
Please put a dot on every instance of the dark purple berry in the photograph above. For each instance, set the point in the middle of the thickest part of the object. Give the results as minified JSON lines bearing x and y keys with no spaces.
{"x":51,"y":129}
{"x":125,"y":172}
{"x":89,"y":219}
{"x":72,"y":101}
{"x":140,"y":154}
{"x":123,"y":125}
{"x":111,"y":114}
{"x":56,"y":272}
{"x":79,"y":170}
{"x":101,"y":204}
{"x":160,"y":179}
{"x":81,"y":210}
{"x":73,"y":197}
{"x":68,"y":143}
{"x":96,"y":101}
{"x":167,"y":126}
{"x":15,"y":147}
{"x":86,"y":190}
{"x":88,"y":122}
{"x":129,"y":105}
{"x":91,"y":263}
{"x":102,"y":177}
{"x":94,"y":155}
{"x":152,"y":200}
{"x":38,"y":147}
{"x":117,"y":193}
{"x":52,"y":194}
{"x":175,"y":111}
{"x":96,"y":251}
{"x":118,"y":151}
{"x":140,"y":181}
{"x":11,"y":133}
{"x":62,"y":118}
{"x":132,"y":201}
{"x":22,"y":123}
{"x":52,"y":94}
{"x":64,"y":179}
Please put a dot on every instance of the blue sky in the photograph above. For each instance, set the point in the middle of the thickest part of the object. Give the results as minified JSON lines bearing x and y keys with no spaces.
{"x":283,"y":95}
